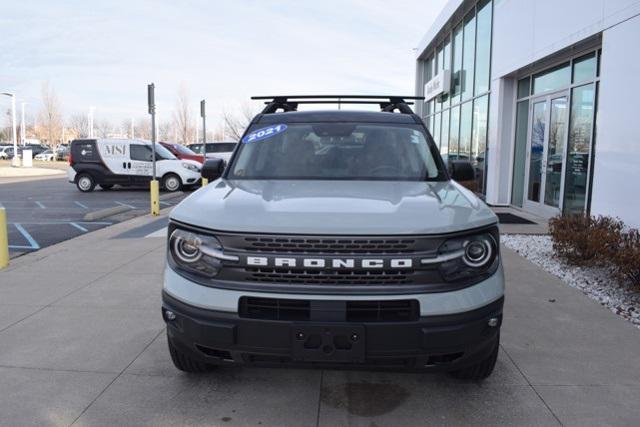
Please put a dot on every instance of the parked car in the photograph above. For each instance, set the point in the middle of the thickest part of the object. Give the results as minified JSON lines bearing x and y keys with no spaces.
{"x":212,"y":150}
{"x":6,"y":152}
{"x":107,"y":162}
{"x":335,"y":238}
{"x":35,"y":148}
{"x":46,"y":155}
{"x":182,"y":152}
{"x":62,"y":152}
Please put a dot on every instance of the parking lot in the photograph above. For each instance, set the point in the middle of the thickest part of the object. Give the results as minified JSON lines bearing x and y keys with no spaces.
{"x":47,"y":211}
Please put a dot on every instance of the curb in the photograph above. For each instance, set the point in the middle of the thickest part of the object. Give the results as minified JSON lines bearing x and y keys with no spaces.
{"x":103,"y":213}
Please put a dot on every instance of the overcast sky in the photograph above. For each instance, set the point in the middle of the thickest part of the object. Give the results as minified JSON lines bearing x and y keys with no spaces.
{"x":104,"y":53}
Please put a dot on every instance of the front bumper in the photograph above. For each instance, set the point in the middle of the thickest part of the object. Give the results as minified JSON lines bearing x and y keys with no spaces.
{"x":442,"y":342}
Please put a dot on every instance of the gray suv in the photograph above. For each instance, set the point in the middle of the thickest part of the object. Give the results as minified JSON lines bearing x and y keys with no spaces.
{"x":334,"y":238}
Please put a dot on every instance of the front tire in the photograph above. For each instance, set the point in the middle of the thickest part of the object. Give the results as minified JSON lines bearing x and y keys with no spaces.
{"x":171,"y":182}
{"x":480,"y":370}
{"x":185,"y":363}
{"x":85,"y":183}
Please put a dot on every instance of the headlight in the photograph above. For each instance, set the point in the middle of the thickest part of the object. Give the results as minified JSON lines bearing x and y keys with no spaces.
{"x":470,"y":256}
{"x":197,"y":253}
{"x":190,"y":167}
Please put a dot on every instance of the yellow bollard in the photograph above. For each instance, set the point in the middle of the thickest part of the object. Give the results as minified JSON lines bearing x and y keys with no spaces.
{"x":4,"y":240}
{"x":205,"y":181}
{"x":155,"y":197}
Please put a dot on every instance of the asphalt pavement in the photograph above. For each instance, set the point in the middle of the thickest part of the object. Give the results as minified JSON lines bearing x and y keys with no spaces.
{"x":46,"y":211}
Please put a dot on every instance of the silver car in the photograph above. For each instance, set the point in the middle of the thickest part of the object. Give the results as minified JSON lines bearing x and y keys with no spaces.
{"x":335,"y":238}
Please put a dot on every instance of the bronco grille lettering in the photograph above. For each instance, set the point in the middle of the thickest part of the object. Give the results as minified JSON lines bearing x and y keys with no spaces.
{"x":338,"y":263}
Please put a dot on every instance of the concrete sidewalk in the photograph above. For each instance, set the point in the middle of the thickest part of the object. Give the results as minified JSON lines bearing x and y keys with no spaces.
{"x":82,"y":342}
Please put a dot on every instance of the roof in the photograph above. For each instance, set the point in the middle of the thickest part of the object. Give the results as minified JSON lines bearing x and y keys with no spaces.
{"x":335,"y":116}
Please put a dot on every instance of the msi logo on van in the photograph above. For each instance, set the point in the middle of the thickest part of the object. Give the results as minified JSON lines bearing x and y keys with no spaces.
{"x":115,"y":150}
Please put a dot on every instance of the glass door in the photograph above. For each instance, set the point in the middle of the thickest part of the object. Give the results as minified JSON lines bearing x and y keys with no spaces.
{"x":545,"y":154}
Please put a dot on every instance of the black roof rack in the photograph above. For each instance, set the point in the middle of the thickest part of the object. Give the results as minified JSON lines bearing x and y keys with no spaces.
{"x":291,"y":102}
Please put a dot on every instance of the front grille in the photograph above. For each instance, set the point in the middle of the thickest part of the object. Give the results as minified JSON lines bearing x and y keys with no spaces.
{"x":315,"y":245}
{"x":382,"y":311}
{"x":330,"y":277}
{"x":274,"y":308}
{"x":353,"y":311}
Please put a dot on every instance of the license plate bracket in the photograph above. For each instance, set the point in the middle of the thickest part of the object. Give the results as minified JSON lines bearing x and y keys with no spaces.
{"x":328,"y":343}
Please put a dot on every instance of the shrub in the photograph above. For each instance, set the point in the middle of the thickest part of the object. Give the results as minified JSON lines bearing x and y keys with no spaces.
{"x":627,"y":257}
{"x":583,"y":239}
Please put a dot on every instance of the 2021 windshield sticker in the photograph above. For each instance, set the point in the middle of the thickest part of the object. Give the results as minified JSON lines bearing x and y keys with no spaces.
{"x":264,"y":133}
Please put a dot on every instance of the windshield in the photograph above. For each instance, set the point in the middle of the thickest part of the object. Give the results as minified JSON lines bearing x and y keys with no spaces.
{"x":183,"y":150}
{"x":336,"y":151}
{"x":163,"y":153}
{"x":221,"y":147}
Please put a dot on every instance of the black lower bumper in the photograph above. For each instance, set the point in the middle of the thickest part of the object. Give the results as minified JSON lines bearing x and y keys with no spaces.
{"x":446,"y":342}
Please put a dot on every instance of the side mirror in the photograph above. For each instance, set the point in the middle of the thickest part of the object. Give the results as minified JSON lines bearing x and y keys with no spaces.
{"x":212,"y":169}
{"x":461,"y":170}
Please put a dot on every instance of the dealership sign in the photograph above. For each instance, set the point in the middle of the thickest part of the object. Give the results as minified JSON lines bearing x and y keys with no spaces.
{"x":438,"y":85}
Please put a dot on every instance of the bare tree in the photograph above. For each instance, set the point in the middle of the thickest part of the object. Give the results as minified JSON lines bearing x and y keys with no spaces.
{"x":79,"y":123}
{"x":183,"y":117}
{"x":165,"y":131}
{"x":50,"y":115}
{"x":142,"y":128}
{"x":104,"y":128}
{"x":236,"y":122}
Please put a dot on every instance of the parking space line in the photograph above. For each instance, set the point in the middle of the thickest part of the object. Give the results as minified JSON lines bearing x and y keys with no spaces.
{"x":79,"y":227}
{"x":162,"y":202}
{"x":40,"y":205}
{"x":27,"y":236}
{"x":124,"y":204}
{"x":81,"y":205}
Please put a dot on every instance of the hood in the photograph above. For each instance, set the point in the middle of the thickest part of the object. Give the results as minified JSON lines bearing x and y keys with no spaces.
{"x":334,"y":207}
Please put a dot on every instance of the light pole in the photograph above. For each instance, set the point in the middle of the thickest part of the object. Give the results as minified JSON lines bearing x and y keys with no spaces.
{"x":23,"y":128}
{"x":15,"y":161}
{"x":90,"y":121}
{"x":203,"y":114}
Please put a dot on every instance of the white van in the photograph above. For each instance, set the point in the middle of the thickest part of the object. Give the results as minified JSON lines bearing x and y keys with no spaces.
{"x":107,"y":162}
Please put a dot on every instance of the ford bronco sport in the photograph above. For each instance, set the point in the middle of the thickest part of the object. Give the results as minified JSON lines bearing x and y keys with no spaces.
{"x":335,"y":238}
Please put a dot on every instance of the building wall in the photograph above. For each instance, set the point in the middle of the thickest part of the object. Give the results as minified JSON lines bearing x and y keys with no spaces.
{"x":526,"y":35}
{"x":524,"y":32}
{"x":616,"y":173}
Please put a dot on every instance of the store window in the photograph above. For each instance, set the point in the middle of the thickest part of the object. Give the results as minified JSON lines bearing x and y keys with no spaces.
{"x":553,"y":79}
{"x":466,"y":116}
{"x":468,"y":54}
{"x":483,"y":48}
{"x":454,"y":130}
{"x":479,"y":139}
{"x":520,"y":150}
{"x":457,"y":118}
{"x":579,"y":150}
{"x":584,"y":68}
{"x":444,"y":133}
{"x":456,"y":75}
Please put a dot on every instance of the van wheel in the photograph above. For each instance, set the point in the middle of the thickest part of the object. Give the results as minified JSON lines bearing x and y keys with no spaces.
{"x":185,"y":363}
{"x":85,"y":183}
{"x":480,"y":370}
{"x":106,"y":186}
{"x":171,"y":182}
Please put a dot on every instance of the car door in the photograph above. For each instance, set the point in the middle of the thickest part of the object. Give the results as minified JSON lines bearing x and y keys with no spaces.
{"x":141,"y":167}
{"x":114,"y":156}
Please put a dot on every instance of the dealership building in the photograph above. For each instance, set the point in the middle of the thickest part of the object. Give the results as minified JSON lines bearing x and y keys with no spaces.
{"x":543,"y":97}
